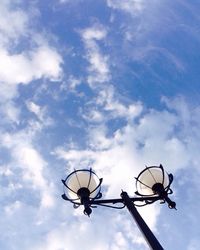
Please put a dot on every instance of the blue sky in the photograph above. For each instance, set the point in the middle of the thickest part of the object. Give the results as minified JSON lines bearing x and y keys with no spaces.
{"x":112,"y":85}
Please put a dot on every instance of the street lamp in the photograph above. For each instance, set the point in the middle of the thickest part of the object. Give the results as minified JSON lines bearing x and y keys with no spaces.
{"x":83,"y":187}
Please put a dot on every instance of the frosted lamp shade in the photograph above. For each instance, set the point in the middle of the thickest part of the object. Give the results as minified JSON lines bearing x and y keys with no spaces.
{"x":82,"y":179}
{"x":150,"y":176}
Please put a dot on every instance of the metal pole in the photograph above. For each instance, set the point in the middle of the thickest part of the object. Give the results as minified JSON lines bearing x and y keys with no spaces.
{"x":148,"y":235}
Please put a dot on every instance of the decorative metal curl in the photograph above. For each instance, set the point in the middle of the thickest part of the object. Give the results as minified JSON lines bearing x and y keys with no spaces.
{"x":110,"y":206}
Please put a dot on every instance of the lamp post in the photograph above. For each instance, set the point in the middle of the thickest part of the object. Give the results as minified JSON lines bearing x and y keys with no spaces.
{"x":83,"y":187}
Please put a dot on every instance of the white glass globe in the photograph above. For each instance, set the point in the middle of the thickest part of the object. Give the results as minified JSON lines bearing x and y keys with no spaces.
{"x":149,"y":177}
{"x":82,"y":179}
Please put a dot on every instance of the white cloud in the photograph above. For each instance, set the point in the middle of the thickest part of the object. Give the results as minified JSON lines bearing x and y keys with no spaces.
{"x":10,"y":112}
{"x":142,"y":23}
{"x":36,"y":109}
{"x":94,"y":116}
{"x":107,"y":100}
{"x":108,"y":105}
{"x":101,"y":141}
{"x":24,"y":68}
{"x":7,"y":92}
{"x":194,"y":244}
{"x":115,"y":159}
{"x":151,"y":53}
{"x":155,"y":137}
{"x":20,"y":65}
{"x":110,"y":102}
{"x":5,"y":171}
{"x":122,"y":136}
{"x":98,"y":69}
{"x":130,"y":6}
{"x":46,"y":61}
{"x":74,"y":234}
{"x":61,"y":237}
{"x":11,"y":30}
{"x":31,"y":164}
{"x":64,"y":1}
{"x":11,"y":209}
{"x":74,"y":82}
{"x":70,"y":85}
{"x":96,"y":32}
{"x":41,"y":113}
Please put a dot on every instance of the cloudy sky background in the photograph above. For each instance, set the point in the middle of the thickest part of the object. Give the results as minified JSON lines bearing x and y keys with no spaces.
{"x":112,"y":85}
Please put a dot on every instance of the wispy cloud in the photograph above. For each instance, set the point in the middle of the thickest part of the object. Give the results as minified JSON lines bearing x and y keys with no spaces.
{"x":98,"y":63}
{"x":147,"y":141}
{"x":10,"y":31}
{"x":129,"y":6}
{"x":24,"y":65}
{"x":115,"y":103}
{"x":29,"y":162}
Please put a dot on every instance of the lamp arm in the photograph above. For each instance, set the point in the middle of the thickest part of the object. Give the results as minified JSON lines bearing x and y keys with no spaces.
{"x":110,"y":206}
{"x":104,"y":202}
{"x":147,"y":199}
